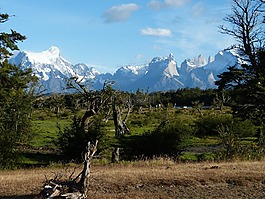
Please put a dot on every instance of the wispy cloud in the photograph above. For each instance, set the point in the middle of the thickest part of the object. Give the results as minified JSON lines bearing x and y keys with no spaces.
{"x":198,"y":9}
{"x":119,"y":13}
{"x":139,"y":56}
{"x":156,"y":32}
{"x":176,"y":3}
{"x":156,"y":4}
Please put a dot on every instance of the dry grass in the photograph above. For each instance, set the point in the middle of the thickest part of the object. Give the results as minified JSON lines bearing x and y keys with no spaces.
{"x":153,"y":179}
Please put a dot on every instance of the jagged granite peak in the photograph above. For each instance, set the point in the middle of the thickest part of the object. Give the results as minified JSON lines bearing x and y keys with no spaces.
{"x":188,"y":64}
{"x":127,"y":77}
{"x":200,"y":61}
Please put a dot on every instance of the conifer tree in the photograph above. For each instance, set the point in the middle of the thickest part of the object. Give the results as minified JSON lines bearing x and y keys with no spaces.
{"x":15,"y":98}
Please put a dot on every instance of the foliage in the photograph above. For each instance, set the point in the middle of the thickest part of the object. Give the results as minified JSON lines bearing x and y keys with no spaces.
{"x":210,"y":124}
{"x":232,"y":145}
{"x":72,"y":139}
{"x":163,"y":141}
{"x":16,"y":96}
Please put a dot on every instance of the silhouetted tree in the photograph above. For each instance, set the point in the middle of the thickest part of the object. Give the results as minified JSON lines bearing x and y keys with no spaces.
{"x":247,"y":27}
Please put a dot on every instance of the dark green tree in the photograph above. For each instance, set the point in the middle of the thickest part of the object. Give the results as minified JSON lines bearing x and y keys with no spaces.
{"x":16,"y":95}
{"x":247,"y":82}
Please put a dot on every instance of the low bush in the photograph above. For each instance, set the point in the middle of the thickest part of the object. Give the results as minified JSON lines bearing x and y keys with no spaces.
{"x":163,"y":141}
{"x":208,"y":125}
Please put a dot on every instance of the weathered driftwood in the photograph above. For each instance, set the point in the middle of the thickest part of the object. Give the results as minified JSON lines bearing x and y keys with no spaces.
{"x":72,"y":188}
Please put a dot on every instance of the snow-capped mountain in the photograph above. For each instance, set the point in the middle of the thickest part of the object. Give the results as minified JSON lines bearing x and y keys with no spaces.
{"x":222,"y":60}
{"x":52,"y":69}
{"x":162,"y":73}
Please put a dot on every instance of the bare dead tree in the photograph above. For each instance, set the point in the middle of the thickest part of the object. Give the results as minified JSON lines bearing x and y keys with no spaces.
{"x":96,"y":101}
{"x":221,"y":99}
{"x":119,"y":105}
{"x":246,"y":27}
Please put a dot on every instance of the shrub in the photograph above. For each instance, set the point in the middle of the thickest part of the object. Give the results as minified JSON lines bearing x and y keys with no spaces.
{"x":73,"y":140}
{"x":163,"y":141}
{"x":230,"y":139}
{"x":208,"y":125}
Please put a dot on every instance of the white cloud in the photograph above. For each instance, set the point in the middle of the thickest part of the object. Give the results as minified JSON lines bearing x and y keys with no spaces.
{"x":119,"y":13}
{"x":156,"y":5}
{"x":156,"y":32}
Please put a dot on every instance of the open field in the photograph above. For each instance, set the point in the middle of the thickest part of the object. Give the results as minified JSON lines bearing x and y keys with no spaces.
{"x":151,"y":179}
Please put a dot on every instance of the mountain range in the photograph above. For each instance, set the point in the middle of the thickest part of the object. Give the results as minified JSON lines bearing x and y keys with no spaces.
{"x":161,"y":74}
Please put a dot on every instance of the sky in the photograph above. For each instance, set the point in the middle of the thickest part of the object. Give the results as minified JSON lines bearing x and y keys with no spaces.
{"x":109,"y":34}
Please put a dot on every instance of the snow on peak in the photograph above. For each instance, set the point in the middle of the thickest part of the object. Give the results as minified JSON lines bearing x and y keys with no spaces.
{"x":222,"y":60}
{"x":190,"y":64}
{"x":164,"y":65}
{"x":163,"y":59}
{"x":45,"y":57}
{"x":84,"y":70}
{"x":45,"y":62}
{"x":134,"y":70}
{"x":53,"y":50}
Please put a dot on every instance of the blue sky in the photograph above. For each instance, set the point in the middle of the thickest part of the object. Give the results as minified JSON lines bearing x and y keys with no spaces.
{"x":108,"y":34}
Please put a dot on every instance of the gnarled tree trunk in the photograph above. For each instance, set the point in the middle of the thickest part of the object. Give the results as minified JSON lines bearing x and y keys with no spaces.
{"x":72,"y":189}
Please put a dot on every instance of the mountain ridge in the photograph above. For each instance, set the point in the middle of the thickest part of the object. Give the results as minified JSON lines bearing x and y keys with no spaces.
{"x":161,"y":74}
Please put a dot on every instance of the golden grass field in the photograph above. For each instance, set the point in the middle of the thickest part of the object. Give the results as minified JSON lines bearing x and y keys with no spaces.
{"x":151,"y":179}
